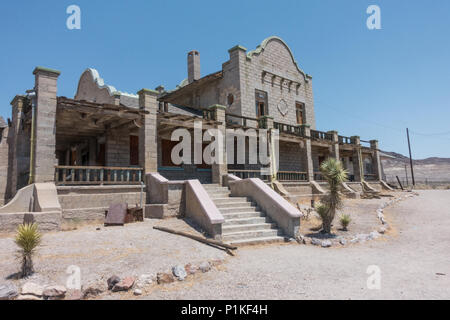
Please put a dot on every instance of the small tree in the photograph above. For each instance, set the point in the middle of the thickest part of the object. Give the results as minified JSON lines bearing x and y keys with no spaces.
{"x":334,"y":173}
{"x":27,"y":239}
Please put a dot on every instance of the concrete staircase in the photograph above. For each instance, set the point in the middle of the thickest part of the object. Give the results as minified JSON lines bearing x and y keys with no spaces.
{"x":244,"y":223}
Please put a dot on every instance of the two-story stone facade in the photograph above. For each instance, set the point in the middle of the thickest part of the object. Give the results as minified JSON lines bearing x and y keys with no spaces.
{"x":105,"y":136}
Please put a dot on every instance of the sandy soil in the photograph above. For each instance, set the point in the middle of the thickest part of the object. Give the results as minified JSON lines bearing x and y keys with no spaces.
{"x":414,"y":261}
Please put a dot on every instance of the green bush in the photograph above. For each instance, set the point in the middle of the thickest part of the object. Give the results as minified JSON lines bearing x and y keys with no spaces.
{"x":345,"y":221}
{"x":27,"y":239}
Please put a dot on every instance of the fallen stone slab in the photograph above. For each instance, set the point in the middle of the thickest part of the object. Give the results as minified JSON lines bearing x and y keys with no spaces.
{"x":31,"y":288}
{"x":8,"y":291}
{"x":124,"y":285}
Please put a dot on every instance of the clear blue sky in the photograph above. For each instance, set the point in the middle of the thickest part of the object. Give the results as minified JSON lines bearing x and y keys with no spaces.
{"x":370,"y":83}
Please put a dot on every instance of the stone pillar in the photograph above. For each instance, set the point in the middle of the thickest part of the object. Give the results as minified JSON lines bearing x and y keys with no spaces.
{"x":357,"y":159}
{"x":307,"y":154}
{"x":334,"y":151}
{"x":17,"y":112}
{"x":148,"y":132}
{"x":220,"y":169}
{"x":116,"y":96}
{"x":376,"y":161}
{"x":92,"y":144}
{"x":44,"y":156}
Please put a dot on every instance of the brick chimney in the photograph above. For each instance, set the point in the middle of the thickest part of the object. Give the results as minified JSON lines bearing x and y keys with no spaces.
{"x":193,"y":66}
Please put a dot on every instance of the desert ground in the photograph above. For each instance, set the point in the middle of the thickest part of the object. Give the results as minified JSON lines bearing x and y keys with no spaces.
{"x":413,"y":258}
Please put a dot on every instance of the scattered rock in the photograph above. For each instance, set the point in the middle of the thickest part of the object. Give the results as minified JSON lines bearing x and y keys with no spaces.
{"x":382,"y":230}
{"x":300,"y":239}
{"x":124,"y":285}
{"x":145,"y":280}
{"x":27,"y":297}
{"x":190,"y":268}
{"x":204,"y":266}
{"x":31,"y":288}
{"x":354,"y":240}
{"x":216,"y":262}
{"x":74,"y":294}
{"x":326,"y":244}
{"x":8,"y":291}
{"x":164,"y":278}
{"x":179,"y":272}
{"x":342,"y":241}
{"x":316,"y":242}
{"x":112,"y":281}
{"x":94,"y":290}
{"x":137,"y":292}
{"x":374,"y":235}
{"x":362,"y":237}
{"x":54,"y":292}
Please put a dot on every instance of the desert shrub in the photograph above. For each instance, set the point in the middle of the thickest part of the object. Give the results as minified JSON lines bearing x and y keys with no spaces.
{"x":27,"y":239}
{"x":345,"y":220}
{"x":335,"y":174}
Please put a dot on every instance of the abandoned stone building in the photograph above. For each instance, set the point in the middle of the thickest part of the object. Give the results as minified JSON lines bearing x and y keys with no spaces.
{"x":70,"y":158}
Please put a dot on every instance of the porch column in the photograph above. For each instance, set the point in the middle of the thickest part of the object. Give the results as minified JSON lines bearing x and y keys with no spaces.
{"x":357,"y":159}
{"x":307,"y":155}
{"x":44,"y":155}
{"x":17,"y":109}
{"x":220,"y":169}
{"x":334,"y":151}
{"x":148,"y":134}
{"x":376,"y":162}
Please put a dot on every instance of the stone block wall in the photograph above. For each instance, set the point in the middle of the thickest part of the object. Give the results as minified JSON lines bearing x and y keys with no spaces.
{"x":118,"y":148}
{"x":3,"y":163}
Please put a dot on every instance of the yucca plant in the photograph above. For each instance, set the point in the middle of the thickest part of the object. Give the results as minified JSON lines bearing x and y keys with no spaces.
{"x":27,"y":239}
{"x":335,"y":174}
{"x":345,"y":221}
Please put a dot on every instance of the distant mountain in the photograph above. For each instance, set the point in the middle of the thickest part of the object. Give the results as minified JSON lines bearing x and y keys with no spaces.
{"x":431,"y":169}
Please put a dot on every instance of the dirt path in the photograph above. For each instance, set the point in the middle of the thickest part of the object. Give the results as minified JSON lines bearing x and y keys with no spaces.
{"x":414,"y":262}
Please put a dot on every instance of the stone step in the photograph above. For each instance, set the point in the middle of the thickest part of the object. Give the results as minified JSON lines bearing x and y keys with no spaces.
{"x":252,"y":241}
{"x":219,"y":195}
{"x":238,"y":209}
{"x":251,"y":220}
{"x":242,"y":215}
{"x":246,"y":235}
{"x":228,"y":229}
{"x":230,"y":199}
{"x":233,"y":204}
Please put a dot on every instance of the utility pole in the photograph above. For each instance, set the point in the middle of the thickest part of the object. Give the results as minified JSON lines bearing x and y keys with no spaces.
{"x":410,"y":158}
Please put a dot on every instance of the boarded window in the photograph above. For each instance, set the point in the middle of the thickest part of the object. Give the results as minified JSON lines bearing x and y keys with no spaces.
{"x":300,"y":112}
{"x":134,"y":150}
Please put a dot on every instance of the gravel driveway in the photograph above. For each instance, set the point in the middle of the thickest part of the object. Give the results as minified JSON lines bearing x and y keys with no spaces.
{"x":414,"y":261}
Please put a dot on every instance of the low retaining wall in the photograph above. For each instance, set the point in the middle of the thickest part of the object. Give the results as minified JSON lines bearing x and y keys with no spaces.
{"x":88,"y":203}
